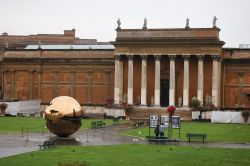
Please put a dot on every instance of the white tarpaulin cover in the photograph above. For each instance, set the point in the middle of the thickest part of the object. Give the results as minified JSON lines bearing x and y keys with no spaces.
{"x":227,"y":117}
{"x":23,"y":107}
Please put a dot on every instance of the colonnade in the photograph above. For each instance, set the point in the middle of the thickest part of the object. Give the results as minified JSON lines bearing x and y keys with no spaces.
{"x":172,"y":79}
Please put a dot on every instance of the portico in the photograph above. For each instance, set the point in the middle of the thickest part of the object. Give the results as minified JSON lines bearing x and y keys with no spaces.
{"x":172,"y":58}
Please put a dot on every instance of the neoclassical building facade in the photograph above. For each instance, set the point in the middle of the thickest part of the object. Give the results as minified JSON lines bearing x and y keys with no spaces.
{"x":168,"y":65}
{"x":145,"y":67}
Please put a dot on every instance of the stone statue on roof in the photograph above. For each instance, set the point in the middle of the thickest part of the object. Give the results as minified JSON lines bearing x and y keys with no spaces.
{"x":118,"y":23}
{"x":145,"y":23}
{"x":187,"y":23}
{"x":214,"y":22}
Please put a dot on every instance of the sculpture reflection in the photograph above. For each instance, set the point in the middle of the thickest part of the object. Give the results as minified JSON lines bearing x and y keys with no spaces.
{"x":63,"y":116}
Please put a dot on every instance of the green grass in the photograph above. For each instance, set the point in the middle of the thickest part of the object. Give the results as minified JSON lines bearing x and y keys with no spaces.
{"x":233,"y":133}
{"x":133,"y":155}
{"x":15,"y":124}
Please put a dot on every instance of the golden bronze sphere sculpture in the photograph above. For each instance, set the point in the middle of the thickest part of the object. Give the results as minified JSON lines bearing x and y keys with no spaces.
{"x":63,"y":116}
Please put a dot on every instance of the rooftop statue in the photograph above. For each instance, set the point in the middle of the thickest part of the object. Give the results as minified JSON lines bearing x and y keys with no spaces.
{"x":214,"y":22}
{"x":118,"y":23}
{"x":187,"y":23}
{"x":145,"y":23}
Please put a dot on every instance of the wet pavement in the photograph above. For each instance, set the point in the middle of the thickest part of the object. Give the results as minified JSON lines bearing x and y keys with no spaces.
{"x":16,"y":143}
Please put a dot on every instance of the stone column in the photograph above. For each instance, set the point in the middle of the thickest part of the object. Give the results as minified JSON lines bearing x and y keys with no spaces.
{"x":144,"y":80}
{"x":200,"y":78}
{"x":121,"y":79}
{"x":157,"y":80}
{"x":186,"y":81}
{"x":215,"y":81}
{"x":117,"y":83}
{"x":219,"y":81}
{"x":172,"y":80}
{"x":130,"y":79}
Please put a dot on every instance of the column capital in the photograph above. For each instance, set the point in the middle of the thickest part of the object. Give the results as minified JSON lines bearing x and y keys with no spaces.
{"x":118,"y":57}
{"x":130,"y":57}
{"x":200,"y":57}
{"x":216,"y":57}
{"x":185,"y":56}
{"x":157,"y":57}
{"x":172,"y":56}
{"x":144,"y":56}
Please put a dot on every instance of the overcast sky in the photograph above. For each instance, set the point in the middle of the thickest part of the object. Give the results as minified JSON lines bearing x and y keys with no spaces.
{"x":97,"y":18}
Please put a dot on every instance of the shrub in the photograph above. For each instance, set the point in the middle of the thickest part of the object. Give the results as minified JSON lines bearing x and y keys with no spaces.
{"x":195,"y":103}
{"x":245,"y":113}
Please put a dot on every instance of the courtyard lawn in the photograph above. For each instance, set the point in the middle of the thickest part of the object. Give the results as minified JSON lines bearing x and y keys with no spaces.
{"x":132,"y":155}
{"x":15,"y":124}
{"x":231,"y":133}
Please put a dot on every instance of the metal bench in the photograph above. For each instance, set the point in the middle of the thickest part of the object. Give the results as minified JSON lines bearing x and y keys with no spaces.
{"x":196,"y":136}
{"x":157,"y":139}
{"x":100,"y":124}
{"x":97,"y":124}
{"x":139,"y":124}
{"x":46,"y":144}
{"x":93,"y":125}
{"x":115,"y":121}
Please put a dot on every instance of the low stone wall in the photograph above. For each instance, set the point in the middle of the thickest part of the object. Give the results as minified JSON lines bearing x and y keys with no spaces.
{"x":227,"y":117}
{"x":98,"y":111}
{"x":23,"y":108}
{"x":205,"y":115}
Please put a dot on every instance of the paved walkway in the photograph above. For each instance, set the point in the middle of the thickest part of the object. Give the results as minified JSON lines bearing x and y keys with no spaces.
{"x":15,"y":143}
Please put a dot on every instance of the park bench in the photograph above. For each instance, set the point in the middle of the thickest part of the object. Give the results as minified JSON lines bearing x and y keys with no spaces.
{"x":115,"y":121}
{"x":139,"y":124}
{"x":196,"y":136}
{"x":93,"y":125}
{"x":46,"y":144}
{"x":157,"y":139}
{"x":100,"y":124}
{"x":97,"y":124}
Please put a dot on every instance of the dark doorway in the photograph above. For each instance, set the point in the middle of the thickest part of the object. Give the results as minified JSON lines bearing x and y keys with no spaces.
{"x":164,"y":92}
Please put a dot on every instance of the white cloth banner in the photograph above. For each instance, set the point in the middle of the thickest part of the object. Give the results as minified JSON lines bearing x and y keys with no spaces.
{"x":25,"y":107}
{"x":227,"y":117}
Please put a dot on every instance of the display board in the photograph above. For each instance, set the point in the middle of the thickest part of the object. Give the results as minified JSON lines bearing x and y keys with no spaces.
{"x":153,"y":120}
{"x":175,"y":121}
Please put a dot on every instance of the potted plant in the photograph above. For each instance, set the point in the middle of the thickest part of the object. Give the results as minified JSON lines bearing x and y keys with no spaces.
{"x":195,"y":103}
{"x":124,"y":101}
{"x":3,"y":107}
{"x":245,"y":114}
{"x":129,"y":109}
